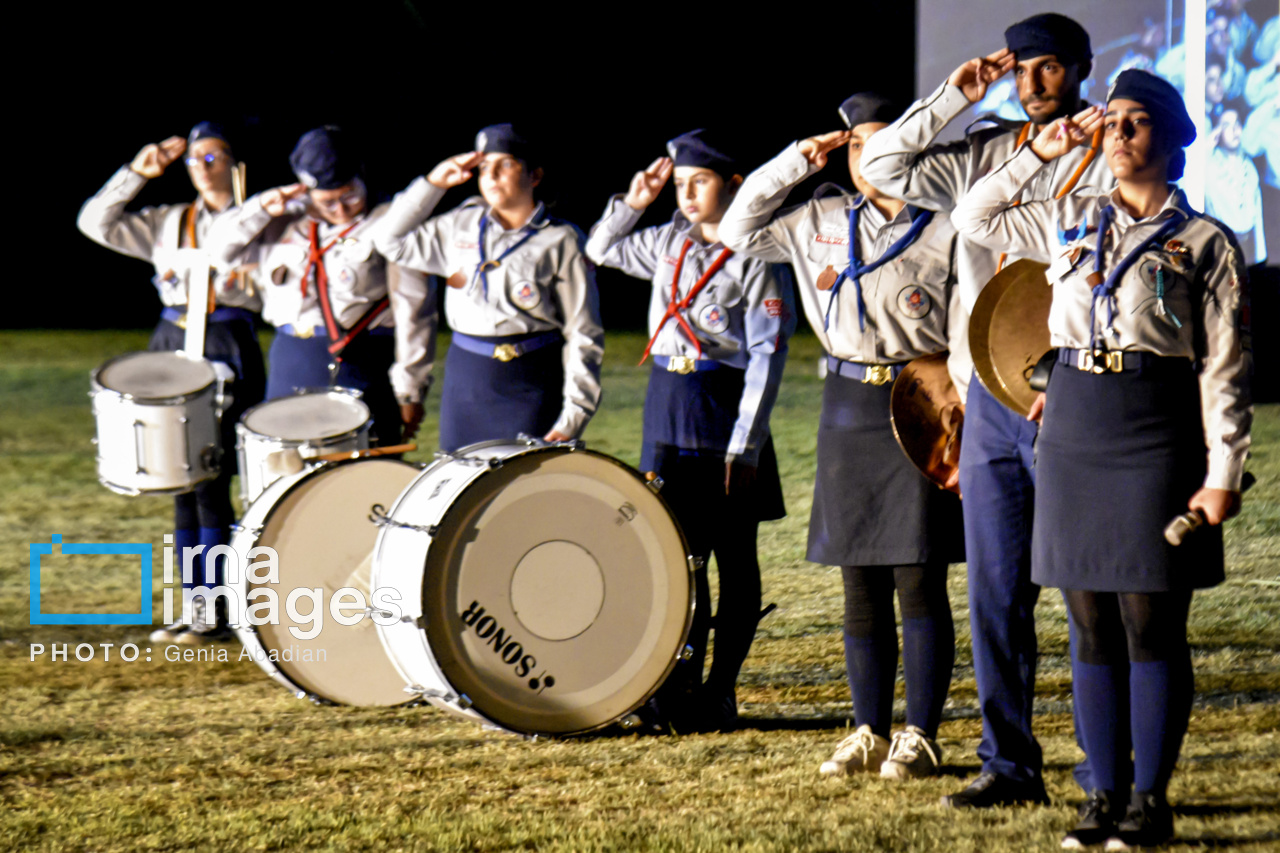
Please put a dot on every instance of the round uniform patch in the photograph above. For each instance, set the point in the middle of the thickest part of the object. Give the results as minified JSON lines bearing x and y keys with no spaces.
{"x":525,"y":295}
{"x":914,"y":302}
{"x":713,"y":318}
{"x":1147,"y":271}
{"x":347,"y":276}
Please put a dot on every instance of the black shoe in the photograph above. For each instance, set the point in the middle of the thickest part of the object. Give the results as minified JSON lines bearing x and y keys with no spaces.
{"x":1097,"y":821}
{"x":1148,"y":822}
{"x":717,"y":712}
{"x":990,"y":789}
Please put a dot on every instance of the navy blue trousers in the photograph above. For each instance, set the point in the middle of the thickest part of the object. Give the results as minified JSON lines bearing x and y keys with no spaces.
{"x":304,"y":363}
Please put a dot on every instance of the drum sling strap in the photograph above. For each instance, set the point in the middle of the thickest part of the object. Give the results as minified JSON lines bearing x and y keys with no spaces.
{"x":677,"y":305}
{"x":1095,"y":145}
{"x":315,"y":261}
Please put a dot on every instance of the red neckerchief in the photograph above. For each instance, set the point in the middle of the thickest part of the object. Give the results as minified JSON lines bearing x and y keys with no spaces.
{"x":676,"y":304}
{"x":315,"y":260}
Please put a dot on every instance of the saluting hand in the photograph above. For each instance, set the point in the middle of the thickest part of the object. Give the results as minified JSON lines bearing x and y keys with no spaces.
{"x":454,"y":171}
{"x":816,"y":148}
{"x":646,"y":185}
{"x":976,"y":75}
{"x":153,"y":159}
{"x":276,"y":201}
{"x":1066,"y":133}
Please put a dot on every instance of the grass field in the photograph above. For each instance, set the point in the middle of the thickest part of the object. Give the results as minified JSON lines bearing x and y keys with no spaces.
{"x":112,"y":756}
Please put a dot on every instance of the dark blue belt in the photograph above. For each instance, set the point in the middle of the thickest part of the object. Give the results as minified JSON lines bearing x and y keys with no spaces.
{"x":684,"y":364}
{"x":178,"y":316}
{"x":321,"y":332}
{"x":505,"y":350}
{"x":871,"y":374}
{"x":1106,"y":361}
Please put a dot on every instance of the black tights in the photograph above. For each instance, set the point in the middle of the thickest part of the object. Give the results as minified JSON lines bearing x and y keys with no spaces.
{"x":1132,"y":683}
{"x":871,"y":642}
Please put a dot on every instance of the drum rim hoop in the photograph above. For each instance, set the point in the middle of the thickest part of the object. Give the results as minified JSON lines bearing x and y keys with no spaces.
{"x":174,"y":400}
{"x":353,"y":394}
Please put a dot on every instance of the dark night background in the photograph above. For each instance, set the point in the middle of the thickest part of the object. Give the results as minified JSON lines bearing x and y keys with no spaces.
{"x":603,"y":88}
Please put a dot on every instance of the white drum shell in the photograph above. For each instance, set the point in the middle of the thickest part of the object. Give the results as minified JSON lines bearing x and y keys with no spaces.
{"x":402,"y":552}
{"x":253,"y":448}
{"x":160,"y":445}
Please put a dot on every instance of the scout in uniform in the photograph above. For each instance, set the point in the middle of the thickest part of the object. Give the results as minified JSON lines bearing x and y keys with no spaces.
{"x":343,"y":315}
{"x":521,"y":299}
{"x":1147,"y":414}
{"x":875,"y":277}
{"x":1049,"y":56}
{"x":155,"y":234}
{"x":719,"y":323}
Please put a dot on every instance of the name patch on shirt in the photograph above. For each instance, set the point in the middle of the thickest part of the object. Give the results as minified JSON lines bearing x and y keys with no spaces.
{"x":463,"y":244}
{"x":670,"y":261}
{"x":774,"y":307}
{"x":830,"y":241}
{"x":914,"y":302}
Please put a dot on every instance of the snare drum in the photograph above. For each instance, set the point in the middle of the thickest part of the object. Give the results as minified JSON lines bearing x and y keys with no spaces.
{"x":157,"y":422}
{"x":311,"y":422}
{"x":318,"y":523}
{"x":546,"y":589}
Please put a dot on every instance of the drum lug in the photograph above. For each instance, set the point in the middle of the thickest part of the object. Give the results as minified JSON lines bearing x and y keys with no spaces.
{"x":695,"y":563}
{"x":494,"y":463}
{"x":255,"y":530}
{"x":464,"y":701}
{"x":686,"y":653}
{"x":655,"y":483}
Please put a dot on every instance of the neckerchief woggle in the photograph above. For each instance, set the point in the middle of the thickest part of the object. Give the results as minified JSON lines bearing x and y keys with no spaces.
{"x":1106,"y":289}
{"x":482,"y":269}
{"x":856,"y":269}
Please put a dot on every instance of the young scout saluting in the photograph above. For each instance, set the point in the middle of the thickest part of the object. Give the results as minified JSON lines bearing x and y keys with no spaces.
{"x":720,"y":323}
{"x":204,"y":515}
{"x":875,"y":279}
{"x":1049,"y":55}
{"x":1147,"y":413}
{"x":343,"y":315}
{"x":522,"y":301}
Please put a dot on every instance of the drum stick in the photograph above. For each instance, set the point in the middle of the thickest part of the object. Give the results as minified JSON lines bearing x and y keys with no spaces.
{"x":364,"y":454}
{"x":237,"y":183}
{"x":1189,"y":522}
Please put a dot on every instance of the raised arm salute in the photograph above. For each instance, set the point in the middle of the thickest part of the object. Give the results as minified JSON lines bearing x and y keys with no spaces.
{"x":719,"y":323}
{"x":174,"y":239}
{"x":1147,"y":413}
{"x":875,"y":278}
{"x":522,"y":301}
{"x":1049,"y":55}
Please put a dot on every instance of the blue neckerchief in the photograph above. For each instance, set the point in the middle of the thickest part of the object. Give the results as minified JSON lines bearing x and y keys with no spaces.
{"x":856,"y":269}
{"x":1107,"y":289}
{"x":480,"y":270}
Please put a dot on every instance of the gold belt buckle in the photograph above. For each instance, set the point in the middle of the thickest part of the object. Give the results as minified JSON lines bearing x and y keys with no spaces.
{"x":681,"y":364}
{"x":505,"y":352}
{"x":181,"y":322}
{"x":300,"y":332}
{"x":1101,"y":361}
{"x":877,"y":374}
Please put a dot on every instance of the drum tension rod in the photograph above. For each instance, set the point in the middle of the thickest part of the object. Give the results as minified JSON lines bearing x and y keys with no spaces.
{"x":378,"y":515}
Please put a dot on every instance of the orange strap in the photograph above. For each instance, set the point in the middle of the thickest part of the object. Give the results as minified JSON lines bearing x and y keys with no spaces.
{"x":188,"y":237}
{"x":676,"y":305}
{"x":1094,"y":146}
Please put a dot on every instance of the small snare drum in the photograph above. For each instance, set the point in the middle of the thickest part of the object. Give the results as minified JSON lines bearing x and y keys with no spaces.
{"x":157,"y":422}
{"x":310,"y":422}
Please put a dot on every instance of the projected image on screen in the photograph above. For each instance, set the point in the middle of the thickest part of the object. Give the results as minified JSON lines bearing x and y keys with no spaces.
{"x":1241,"y":128}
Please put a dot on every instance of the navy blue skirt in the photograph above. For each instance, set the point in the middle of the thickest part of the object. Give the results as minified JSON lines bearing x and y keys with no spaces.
{"x":688,"y":424}
{"x":234,"y":342}
{"x":366,"y":363}
{"x":485,"y":399}
{"x":871,"y":506}
{"x":1118,"y":457}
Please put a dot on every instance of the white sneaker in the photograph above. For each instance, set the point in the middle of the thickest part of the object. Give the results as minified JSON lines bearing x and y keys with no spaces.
{"x":169,"y":633}
{"x":911,"y":756}
{"x":861,"y":752}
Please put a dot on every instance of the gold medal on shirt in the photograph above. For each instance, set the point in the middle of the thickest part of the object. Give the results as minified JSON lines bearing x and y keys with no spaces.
{"x":827,"y":278}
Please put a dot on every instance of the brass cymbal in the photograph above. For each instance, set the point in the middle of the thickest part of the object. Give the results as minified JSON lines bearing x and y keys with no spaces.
{"x":1009,"y":332}
{"x":927,"y":416}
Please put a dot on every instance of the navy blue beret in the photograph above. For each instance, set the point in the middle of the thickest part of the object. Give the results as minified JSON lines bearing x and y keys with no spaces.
{"x":505,"y":139}
{"x":325,"y":159}
{"x":696,"y":148}
{"x":207,"y":130}
{"x":867,"y":107}
{"x":1050,"y":33}
{"x":1163,"y":103}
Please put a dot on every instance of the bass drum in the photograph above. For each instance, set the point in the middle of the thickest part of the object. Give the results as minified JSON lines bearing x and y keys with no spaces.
{"x":547,"y":589}
{"x":318,"y":523}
